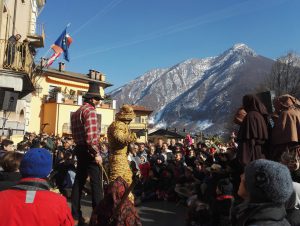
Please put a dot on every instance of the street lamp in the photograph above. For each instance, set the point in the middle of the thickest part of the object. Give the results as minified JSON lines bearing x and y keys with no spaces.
{"x":38,"y":89}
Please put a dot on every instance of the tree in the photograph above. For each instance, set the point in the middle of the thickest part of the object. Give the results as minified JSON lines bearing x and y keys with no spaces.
{"x":284,"y":77}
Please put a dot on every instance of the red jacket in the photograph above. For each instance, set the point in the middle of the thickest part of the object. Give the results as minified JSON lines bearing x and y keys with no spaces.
{"x":145,"y":168}
{"x":31,"y":208}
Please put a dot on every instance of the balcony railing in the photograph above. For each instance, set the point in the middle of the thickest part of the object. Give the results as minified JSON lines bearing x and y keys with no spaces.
{"x":74,"y":100}
{"x":37,"y":35}
{"x":16,"y":56}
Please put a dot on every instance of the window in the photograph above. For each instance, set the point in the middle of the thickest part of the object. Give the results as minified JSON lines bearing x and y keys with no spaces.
{"x":137,"y":119}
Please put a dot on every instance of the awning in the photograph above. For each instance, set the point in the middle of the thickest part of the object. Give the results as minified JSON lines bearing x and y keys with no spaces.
{"x":67,"y":82}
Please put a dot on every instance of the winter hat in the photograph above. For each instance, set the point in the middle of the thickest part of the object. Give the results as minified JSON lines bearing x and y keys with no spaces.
{"x":225,"y":186}
{"x":37,"y":162}
{"x":268,"y":181}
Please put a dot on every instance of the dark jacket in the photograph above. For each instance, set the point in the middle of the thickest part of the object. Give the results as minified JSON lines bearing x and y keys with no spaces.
{"x":262,"y":214}
{"x":221,"y":210}
{"x":8,"y":179}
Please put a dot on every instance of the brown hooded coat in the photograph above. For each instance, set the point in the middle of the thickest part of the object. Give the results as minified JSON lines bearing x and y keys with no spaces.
{"x":253,"y":133}
{"x":286,"y":129}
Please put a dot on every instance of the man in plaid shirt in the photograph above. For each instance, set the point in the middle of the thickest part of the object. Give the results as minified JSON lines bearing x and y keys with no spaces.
{"x":84,"y":125}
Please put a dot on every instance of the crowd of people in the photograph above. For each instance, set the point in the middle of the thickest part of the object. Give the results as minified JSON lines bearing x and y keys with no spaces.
{"x":251,"y":178}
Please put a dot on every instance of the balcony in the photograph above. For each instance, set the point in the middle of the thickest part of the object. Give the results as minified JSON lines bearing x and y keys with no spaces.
{"x":37,"y":38}
{"x":17,"y":57}
{"x":137,"y":126}
{"x":61,"y":98}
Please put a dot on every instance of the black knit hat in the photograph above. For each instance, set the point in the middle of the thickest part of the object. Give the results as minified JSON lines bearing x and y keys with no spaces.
{"x":93,"y":92}
{"x":268,"y":181}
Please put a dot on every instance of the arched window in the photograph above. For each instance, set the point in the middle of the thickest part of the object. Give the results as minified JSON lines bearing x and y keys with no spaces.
{"x":22,"y":117}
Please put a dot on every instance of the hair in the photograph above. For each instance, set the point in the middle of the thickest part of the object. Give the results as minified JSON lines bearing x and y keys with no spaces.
{"x":6,"y":142}
{"x":11,"y":161}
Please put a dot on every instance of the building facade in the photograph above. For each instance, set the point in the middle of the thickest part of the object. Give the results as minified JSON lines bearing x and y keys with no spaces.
{"x":58,"y":94}
{"x":17,"y":61}
{"x":139,"y":125}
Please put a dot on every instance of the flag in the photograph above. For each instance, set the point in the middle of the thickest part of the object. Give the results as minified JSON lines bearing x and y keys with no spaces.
{"x":52,"y":59}
{"x":61,"y":45}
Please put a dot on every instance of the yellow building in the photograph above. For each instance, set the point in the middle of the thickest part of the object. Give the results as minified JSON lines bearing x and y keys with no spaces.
{"x":139,"y":125}
{"x":58,"y":94}
{"x":17,"y":61}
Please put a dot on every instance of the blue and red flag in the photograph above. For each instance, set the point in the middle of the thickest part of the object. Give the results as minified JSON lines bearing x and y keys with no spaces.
{"x":61,"y":45}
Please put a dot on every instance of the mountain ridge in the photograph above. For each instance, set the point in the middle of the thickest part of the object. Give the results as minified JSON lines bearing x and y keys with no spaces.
{"x":199,"y":94}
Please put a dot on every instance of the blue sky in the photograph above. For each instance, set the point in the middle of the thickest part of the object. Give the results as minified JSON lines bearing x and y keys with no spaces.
{"x":126,"y":38}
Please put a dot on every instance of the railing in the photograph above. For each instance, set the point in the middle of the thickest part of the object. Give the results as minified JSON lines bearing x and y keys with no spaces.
{"x":37,"y":29}
{"x":16,"y":56}
{"x":60,"y":98}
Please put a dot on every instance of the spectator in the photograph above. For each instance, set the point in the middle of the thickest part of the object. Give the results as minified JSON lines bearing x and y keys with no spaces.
{"x":144,"y":167}
{"x":6,"y":146}
{"x":269,"y":185}
{"x":223,"y":203}
{"x":10,"y":175}
{"x":11,"y":49}
{"x":158,"y":146}
{"x":30,"y":202}
{"x":142,"y":150}
{"x":168,"y":154}
{"x":172,"y":146}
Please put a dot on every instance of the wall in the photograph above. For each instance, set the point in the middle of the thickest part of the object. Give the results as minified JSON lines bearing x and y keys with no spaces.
{"x":34,"y":114}
{"x":23,"y":17}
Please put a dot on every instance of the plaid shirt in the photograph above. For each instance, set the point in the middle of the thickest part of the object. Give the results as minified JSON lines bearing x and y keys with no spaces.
{"x":84,"y":125}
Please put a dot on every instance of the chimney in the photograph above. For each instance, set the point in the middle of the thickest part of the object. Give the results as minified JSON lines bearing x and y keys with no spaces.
{"x":92,"y":74}
{"x":61,"y":66}
{"x":98,"y":74}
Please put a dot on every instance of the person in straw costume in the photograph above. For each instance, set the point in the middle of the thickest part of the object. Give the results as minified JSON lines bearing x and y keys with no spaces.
{"x":119,"y":137}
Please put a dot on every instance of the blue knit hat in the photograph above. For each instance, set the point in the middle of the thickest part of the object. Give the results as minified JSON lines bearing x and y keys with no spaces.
{"x":37,"y":162}
{"x":268,"y":181}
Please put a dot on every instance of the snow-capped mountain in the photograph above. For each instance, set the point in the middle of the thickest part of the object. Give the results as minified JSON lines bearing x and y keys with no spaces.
{"x":198,"y":94}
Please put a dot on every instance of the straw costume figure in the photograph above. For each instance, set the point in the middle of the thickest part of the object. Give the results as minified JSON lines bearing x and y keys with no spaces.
{"x":119,"y":137}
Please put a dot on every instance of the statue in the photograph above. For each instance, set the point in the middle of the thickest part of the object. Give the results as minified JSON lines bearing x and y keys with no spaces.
{"x":119,"y":137}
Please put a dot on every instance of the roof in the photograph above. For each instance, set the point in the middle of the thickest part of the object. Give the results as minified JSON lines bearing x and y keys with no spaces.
{"x":74,"y":76}
{"x":141,"y":108}
{"x":166,"y":133}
